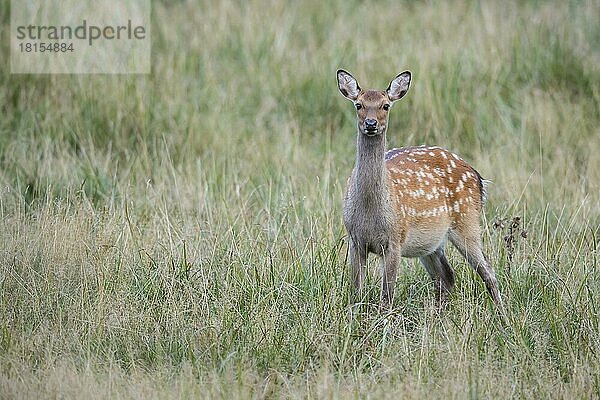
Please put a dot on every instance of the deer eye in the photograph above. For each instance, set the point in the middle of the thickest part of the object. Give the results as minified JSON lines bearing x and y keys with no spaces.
{"x":386,"y":106}
{"x":358,"y":106}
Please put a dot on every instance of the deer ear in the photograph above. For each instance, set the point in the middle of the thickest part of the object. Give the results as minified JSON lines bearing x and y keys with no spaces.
{"x":399,"y":86}
{"x":348,"y":85}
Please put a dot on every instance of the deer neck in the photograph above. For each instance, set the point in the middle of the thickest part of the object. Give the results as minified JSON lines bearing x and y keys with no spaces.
{"x":370,"y":172}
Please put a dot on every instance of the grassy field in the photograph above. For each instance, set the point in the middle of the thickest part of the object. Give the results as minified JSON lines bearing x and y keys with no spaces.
{"x":179,"y":234}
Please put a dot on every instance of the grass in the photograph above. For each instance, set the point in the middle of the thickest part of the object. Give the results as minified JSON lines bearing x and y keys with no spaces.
{"x":179,"y":234}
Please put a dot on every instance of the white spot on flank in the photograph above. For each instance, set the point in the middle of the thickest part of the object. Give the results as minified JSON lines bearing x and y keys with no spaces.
{"x":432,"y":154}
{"x":443,"y":153}
{"x":456,"y":206}
{"x":452,"y":164}
{"x":455,"y":156}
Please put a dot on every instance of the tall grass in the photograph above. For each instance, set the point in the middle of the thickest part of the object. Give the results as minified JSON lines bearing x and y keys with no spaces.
{"x":179,"y":234}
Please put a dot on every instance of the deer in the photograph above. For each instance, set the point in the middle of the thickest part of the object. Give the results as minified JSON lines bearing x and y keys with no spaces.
{"x":408,"y":202}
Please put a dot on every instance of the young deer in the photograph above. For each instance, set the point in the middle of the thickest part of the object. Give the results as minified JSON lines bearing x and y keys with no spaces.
{"x":407,"y":202}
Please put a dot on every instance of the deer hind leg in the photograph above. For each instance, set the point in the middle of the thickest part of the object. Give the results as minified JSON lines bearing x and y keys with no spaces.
{"x":468,"y":243}
{"x":441,"y":273}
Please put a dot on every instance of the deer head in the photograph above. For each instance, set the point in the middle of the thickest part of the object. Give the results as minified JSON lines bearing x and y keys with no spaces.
{"x":372,"y":106}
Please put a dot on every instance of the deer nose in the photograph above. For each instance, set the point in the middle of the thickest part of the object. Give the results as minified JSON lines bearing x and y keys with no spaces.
{"x":370,"y":123}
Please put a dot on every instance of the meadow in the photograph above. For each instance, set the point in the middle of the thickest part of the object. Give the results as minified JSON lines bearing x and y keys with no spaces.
{"x":179,"y":234}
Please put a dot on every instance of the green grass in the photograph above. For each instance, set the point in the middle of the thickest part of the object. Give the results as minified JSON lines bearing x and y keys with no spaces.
{"x":179,"y":234}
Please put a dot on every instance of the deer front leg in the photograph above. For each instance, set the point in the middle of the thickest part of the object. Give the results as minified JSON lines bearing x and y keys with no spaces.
{"x":389,"y":262}
{"x":358,"y":260}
